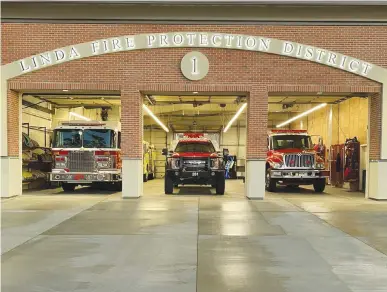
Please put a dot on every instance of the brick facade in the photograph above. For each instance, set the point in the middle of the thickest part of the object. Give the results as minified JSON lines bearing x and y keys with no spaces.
{"x":256,"y":74}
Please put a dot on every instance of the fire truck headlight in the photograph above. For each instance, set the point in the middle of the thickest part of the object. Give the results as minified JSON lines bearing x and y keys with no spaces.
{"x":60,"y":162}
{"x":104,"y":164}
{"x":175,"y":163}
{"x":216,"y":163}
{"x":277,"y":165}
{"x":320,"y":165}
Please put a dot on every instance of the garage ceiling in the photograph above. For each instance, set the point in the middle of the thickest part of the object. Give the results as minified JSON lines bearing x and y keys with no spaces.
{"x":202,"y":112}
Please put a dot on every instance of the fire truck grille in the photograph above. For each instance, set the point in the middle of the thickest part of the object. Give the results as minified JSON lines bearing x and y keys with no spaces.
{"x":296,"y":160}
{"x":82,"y":161}
{"x":195,"y":164}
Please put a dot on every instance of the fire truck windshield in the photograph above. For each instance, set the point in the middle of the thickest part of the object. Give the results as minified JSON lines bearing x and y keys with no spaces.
{"x":205,"y":147}
{"x":291,"y":141}
{"x":67,"y":138}
{"x":89,"y":138}
{"x":99,"y":138}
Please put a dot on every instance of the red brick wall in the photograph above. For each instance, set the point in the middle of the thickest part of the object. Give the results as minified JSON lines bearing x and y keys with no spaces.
{"x":13,"y":122}
{"x":227,"y":67}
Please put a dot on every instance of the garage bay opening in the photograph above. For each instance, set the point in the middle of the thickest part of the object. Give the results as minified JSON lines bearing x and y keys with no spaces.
{"x":194,"y":143}
{"x":71,"y":140}
{"x":318,"y":143}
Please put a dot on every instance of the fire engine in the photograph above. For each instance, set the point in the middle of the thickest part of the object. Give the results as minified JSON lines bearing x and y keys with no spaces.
{"x":292,"y":161}
{"x":87,"y":152}
{"x":149,"y":161}
{"x":194,"y":160}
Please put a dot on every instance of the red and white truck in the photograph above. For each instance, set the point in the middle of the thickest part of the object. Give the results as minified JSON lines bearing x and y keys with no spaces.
{"x":292,"y":161}
{"x":85,"y":153}
{"x":194,"y":160}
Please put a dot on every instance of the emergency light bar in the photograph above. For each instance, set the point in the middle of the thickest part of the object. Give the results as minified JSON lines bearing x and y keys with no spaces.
{"x":193,"y":135}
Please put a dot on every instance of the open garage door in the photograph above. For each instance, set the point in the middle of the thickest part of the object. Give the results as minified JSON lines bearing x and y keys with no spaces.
{"x":66,"y":132}
{"x":211,"y":116}
{"x":335,"y":128}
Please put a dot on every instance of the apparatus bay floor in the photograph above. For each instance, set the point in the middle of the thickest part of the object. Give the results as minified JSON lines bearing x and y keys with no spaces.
{"x":294,"y":240}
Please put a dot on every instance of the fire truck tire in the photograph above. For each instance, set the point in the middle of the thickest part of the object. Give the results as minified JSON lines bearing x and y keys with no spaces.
{"x":270,"y":184}
{"x":68,"y":187}
{"x":150,"y":176}
{"x":145,"y":178}
{"x":319,"y":185}
{"x":168,"y":185}
{"x":220,"y":185}
{"x":117,"y":186}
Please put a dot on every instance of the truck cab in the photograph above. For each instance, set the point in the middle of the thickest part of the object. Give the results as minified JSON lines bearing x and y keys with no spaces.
{"x":292,"y":161}
{"x":195,"y":161}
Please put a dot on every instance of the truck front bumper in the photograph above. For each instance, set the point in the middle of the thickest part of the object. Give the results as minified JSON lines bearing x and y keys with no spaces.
{"x":298,"y":176}
{"x":85,"y":177}
{"x":195,"y":177}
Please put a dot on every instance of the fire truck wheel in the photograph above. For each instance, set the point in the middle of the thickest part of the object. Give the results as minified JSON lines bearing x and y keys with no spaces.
{"x":319,"y":185}
{"x":68,"y":187}
{"x":213,"y":186}
{"x":220,"y":185}
{"x":150,"y":176}
{"x":168,"y":185}
{"x":270,"y":184}
{"x":117,"y":186}
{"x":145,"y":178}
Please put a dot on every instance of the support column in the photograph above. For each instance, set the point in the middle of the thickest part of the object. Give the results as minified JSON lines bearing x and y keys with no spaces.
{"x":377,"y":174}
{"x":256,"y":143}
{"x":131,"y":143}
{"x":255,"y":179}
{"x":132,"y":178}
{"x":10,"y":162}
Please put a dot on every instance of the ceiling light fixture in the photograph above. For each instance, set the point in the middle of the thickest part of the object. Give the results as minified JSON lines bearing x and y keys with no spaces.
{"x":195,"y":92}
{"x":79,"y":116}
{"x":65,"y":90}
{"x":301,"y":115}
{"x":235,"y":117}
{"x":149,"y":112}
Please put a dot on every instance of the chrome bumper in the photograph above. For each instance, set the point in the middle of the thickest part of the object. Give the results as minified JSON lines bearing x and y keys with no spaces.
{"x":298,"y":173}
{"x":85,"y":177}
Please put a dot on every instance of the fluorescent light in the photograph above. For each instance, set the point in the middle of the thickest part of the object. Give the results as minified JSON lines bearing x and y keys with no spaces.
{"x":302,"y":115}
{"x":235,"y":117}
{"x":65,"y":90}
{"x":155,"y":118}
{"x":195,"y":92}
{"x":79,"y":116}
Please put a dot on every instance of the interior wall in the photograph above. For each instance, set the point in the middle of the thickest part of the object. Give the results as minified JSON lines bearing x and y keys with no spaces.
{"x":349,"y":119}
{"x":62,"y":114}
{"x":37,"y":118}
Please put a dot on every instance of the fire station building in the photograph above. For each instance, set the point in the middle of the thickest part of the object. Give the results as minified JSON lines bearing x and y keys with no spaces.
{"x":193,"y":67}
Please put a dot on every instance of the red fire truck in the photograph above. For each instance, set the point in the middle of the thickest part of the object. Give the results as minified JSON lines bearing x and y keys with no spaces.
{"x":292,"y":161}
{"x":87,"y":152}
{"x":194,"y":160}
